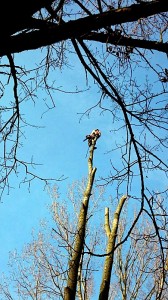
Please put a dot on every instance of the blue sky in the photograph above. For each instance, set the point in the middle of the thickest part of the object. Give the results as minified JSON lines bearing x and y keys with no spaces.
{"x":60,"y":150}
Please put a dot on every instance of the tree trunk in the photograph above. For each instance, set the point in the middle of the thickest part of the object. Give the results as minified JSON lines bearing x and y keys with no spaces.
{"x":111,"y":234}
{"x":70,"y":290}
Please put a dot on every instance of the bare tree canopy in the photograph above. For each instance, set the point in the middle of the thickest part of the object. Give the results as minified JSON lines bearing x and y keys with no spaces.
{"x":112,"y":40}
{"x":36,"y":24}
{"x":53,"y":266}
{"x":122,"y":48}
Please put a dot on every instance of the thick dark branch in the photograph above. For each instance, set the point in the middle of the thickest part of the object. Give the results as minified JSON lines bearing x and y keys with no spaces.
{"x":17,"y":15}
{"x":79,"y":28}
{"x":126,"y":41}
{"x":14,"y":74}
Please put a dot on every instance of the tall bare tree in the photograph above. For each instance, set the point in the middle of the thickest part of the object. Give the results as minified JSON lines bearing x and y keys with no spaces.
{"x":74,"y":262}
{"x":133,"y":270}
{"x":122,"y":46}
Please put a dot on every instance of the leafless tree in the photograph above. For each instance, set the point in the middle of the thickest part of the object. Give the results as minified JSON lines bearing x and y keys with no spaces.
{"x":138,"y":265}
{"x":55,"y":265}
{"x":66,"y":263}
{"x":117,"y":44}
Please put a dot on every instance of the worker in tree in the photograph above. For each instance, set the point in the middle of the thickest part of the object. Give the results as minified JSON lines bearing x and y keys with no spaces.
{"x":95,"y":134}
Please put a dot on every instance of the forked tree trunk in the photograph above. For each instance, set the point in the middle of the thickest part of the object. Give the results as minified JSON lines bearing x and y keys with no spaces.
{"x":111,"y":234}
{"x":70,"y":289}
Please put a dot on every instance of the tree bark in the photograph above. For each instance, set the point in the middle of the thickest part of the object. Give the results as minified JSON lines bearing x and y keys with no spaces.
{"x":120,"y":40}
{"x":111,"y":234}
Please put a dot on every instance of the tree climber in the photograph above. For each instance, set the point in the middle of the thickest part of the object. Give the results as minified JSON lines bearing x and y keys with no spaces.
{"x":95,"y":134}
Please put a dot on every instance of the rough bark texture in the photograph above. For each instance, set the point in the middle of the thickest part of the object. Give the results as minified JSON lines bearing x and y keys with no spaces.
{"x":70,"y":290}
{"x":111,"y":234}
